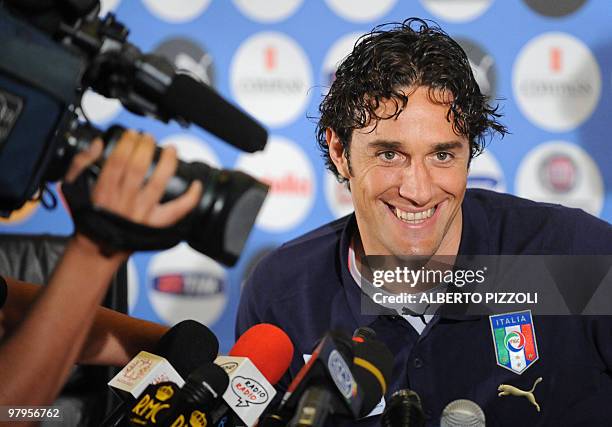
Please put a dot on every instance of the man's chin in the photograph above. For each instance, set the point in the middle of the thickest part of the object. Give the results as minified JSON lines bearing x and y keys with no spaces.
{"x":421,"y":250}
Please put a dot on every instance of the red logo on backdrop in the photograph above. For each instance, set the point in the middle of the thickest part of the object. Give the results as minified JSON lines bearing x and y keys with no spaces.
{"x":289,"y":184}
{"x":270,"y":58}
{"x":555,"y":59}
{"x":559,"y":173}
{"x":189,"y":284}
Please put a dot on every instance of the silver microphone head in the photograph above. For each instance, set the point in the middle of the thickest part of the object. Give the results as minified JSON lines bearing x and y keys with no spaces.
{"x":462,"y":413}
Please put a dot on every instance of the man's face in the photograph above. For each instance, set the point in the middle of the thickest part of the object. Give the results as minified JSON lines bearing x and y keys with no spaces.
{"x":408,"y":179}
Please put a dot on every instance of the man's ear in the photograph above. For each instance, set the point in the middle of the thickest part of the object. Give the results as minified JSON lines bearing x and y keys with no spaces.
{"x":336,"y":153}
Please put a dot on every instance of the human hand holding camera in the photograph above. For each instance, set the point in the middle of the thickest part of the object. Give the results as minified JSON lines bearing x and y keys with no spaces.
{"x":123,"y":188}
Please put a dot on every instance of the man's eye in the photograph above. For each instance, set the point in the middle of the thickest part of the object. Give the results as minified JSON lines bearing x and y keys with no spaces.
{"x":387,"y":155}
{"x":443,"y":156}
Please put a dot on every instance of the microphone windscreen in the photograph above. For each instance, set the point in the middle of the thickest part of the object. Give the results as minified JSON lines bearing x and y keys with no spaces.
{"x":462,"y":412}
{"x":198,"y":103}
{"x":188,"y":345}
{"x":372,"y":367}
{"x":213,"y":375}
{"x":268,"y":347}
{"x":403,"y":409}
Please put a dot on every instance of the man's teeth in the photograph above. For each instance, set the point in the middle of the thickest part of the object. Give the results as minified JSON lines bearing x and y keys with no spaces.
{"x":412,"y":217}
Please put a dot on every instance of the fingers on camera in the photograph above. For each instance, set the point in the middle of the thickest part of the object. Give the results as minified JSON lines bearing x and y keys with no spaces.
{"x":84,"y":159}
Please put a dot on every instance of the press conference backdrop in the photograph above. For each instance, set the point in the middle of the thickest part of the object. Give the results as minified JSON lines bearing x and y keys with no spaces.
{"x":549,"y":62}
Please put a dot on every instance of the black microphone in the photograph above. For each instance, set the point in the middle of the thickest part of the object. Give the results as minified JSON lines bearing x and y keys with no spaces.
{"x":342,"y":378}
{"x":372,"y":368}
{"x":165,"y":404}
{"x":327,"y":371}
{"x":188,"y":345}
{"x":212,"y":112}
{"x":364,"y":333}
{"x":183,"y":348}
{"x":403,"y":410}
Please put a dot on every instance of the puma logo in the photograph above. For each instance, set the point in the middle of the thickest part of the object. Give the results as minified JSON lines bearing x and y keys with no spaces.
{"x":507,"y":390}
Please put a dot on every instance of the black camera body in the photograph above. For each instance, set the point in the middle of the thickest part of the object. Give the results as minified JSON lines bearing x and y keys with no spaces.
{"x":52,"y":51}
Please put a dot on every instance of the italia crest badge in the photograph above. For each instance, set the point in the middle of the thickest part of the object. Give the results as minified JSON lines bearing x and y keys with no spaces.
{"x":514,"y":340}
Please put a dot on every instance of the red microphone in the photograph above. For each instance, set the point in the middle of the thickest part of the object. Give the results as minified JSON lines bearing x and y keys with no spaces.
{"x":259,"y":358}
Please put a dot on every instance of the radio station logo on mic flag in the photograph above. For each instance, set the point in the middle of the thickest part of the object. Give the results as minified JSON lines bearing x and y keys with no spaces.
{"x":514,"y":340}
{"x":248,"y":391}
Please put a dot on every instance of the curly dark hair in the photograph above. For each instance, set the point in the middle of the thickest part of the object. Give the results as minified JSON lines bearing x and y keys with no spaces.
{"x":391,"y":58}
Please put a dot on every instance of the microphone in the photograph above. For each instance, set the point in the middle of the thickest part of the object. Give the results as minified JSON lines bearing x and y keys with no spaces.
{"x":462,"y":413}
{"x":183,"y":348}
{"x":165,"y":404}
{"x":324,"y":385}
{"x":212,"y":112}
{"x":372,"y":368}
{"x":403,"y":410}
{"x":363,"y":333}
{"x":144,"y":369}
{"x":349,"y":385}
{"x":255,"y":363}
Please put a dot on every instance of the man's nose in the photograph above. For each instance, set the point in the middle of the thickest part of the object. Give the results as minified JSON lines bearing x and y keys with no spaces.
{"x":416,"y":185}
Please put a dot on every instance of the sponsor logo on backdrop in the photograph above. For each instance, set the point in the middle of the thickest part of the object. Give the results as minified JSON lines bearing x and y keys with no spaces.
{"x":555,"y":8}
{"x":133,"y":285}
{"x":457,"y":10}
{"x":108,"y":6}
{"x":485,"y":172}
{"x":184,"y":284}
{"x":192,"y":149}
{"x":556,"y":81}
{"x":189,"y":55}
{"x":360,"y":10}
{"x":285,"y":167}
{"x":483,"y":66}
{"x":336,"y":53}
{"x":268,"y":11}
{"x":561,"y":172}
{"x":270,"y":77}
{"x":98,"y":109}
{"x":338,"y":196}
{"x":176,"y":11}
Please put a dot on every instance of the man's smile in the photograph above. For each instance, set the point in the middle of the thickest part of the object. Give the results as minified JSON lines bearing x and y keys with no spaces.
{"x":413,"y":217}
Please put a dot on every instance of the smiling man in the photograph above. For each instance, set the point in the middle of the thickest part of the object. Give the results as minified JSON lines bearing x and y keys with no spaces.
{"x":400,"y":124}
{"x":407,"y":177}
